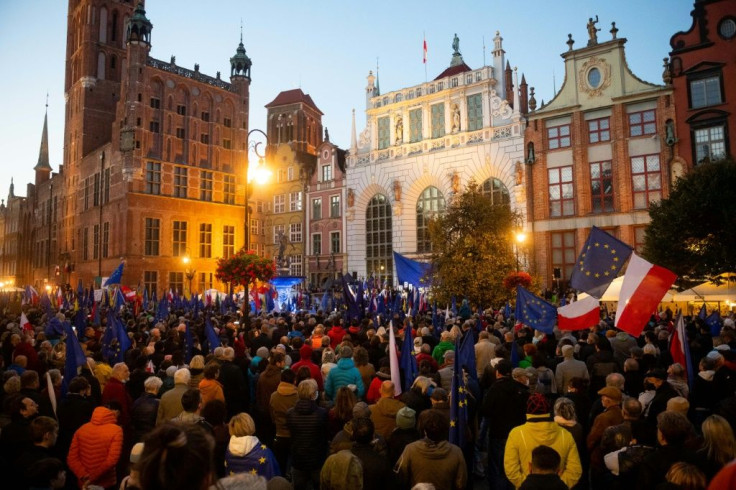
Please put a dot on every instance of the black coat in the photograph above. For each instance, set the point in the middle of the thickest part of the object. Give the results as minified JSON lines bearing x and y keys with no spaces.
{"x":655,"y":466}
{"x":235,"y":388}
{"x":73,"y":412}
{"x":307,"y":423}
{"x":398,"y":440}
{"x":659,"y":402}
{"x":376,"y":470}
{"x":143,"y":415}
{"x":505,"y":407}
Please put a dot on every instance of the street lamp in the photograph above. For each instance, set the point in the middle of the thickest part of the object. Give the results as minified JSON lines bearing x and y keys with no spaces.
{"x":520,"y":238}
{"x":260,"y":174}
{"x":189,"y":272}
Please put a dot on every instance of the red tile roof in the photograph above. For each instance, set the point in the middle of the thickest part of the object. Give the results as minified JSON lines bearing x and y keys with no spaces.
{"x":454,"y":70}
{"x":293,"y":96}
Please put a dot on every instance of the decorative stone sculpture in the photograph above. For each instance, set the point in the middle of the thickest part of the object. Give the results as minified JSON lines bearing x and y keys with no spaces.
{"x":592,"y":31}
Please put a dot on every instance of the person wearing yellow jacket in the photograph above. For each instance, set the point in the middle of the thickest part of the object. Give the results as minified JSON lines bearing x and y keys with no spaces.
{"x":540,"y":429}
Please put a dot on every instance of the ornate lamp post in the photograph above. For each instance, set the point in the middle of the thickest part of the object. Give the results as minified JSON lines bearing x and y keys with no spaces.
{"x":260,"y":174}
{"x":189,"y":272}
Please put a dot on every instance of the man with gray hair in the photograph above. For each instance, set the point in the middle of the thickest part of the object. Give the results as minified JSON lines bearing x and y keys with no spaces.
{"x":115,"y":391}
{"x":569,"y":368}
{"x":170,"y":405}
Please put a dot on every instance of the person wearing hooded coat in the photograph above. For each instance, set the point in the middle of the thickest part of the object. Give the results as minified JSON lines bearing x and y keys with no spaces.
{"x":344,"y":374}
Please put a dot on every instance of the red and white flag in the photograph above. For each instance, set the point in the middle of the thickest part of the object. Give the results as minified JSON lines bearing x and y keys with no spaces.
{"x":424,"y":52}
{"x":25,"y":325}
{"x":680,"y":349}
{"x":579,"y":315}
{"x":393,"y":358}
{"x":644,"y":286}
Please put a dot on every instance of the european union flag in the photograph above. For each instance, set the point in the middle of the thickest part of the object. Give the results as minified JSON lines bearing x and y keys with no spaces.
{"x":458,"y":407}
{"x":714,"y":322}
{"x":703,"y":313}
{"x":116,"y":275}
{"x":465,"y":356}
{"x":74,"y":357}
{"x":600,"y":261}
{"x":212,"y":337}
{"x":115,"y":341}
{"x":533,"y":311}
{"x":407,"y":361}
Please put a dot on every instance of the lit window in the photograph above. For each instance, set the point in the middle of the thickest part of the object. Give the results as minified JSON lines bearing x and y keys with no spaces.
{"x":601,"y":187}
{"x":563,"y":252}
{"x":205,"y":240}
{"x":279,"y":203}
{"x":295,"y":201}
{"x":205,"y":185}
{"x":430,"y":203}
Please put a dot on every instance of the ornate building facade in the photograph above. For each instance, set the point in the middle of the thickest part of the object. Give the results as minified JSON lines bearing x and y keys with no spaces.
{"x":421,"y":145}
{"x":154,"y":159}
{"x":598,"y":154}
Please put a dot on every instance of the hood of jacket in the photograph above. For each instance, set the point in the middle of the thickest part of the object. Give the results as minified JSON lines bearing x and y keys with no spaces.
{"x":102,"y":416}
{"x":286,"y":389}
{"x":388,"y":407}
{"x":305,"y":353}
{"x":542,"y":428}
{"x":345,"y":364}
{"x":433,"y":450}
{"x":240,"y":446}
{"x":208,"y":386}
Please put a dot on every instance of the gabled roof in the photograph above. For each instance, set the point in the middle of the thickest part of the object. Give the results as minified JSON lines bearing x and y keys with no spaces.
{"x":454,"y":70}
{"x":293,"y":96}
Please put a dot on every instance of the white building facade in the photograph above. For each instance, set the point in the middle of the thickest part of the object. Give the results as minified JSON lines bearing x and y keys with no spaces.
{"x":422,"y":145}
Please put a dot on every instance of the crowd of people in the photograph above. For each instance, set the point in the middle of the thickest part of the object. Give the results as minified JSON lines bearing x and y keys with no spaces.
{"x":305,"y":400}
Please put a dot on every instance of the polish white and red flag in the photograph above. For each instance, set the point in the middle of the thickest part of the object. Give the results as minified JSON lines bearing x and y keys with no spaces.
{"x":25,"y":325}
{"x":680,"y":349}
{"x":424,"y":52}
{"x":579,"y":315}
{"x":644,"y":286}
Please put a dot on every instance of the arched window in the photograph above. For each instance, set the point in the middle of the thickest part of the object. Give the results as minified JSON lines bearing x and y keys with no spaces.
{"x":498,"y":192}
{"x":378,"y":239}
{"x":101,"y":66}
{"x":430,"y":203}
{"x":103,"y":25}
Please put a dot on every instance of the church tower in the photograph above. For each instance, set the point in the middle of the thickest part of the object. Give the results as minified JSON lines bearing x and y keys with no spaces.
{"x":43,"y":167}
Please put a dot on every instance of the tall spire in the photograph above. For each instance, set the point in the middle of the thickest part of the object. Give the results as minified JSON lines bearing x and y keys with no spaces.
{"x":353,"y":136}
{"x":43,"y":153}
{"x":12,"y":188}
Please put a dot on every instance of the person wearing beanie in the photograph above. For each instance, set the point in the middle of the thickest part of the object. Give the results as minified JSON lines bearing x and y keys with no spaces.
{"x":569,"y":368}
{"x":540,"y":429}
{"x":405,"y":433}
{"x":344,"y":374}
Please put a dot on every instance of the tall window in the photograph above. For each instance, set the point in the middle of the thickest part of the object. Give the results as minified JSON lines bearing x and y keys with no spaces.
{"x":179,"y":238}
{"x":97,"y":190}
{"x":599,"y":130}
{"x":176,"y":281}
{"x":639,"y":236}
{"x":106,"y":193}
{"x":384,"y":131}
{"x":563,"y":252}
{"x":317,"y":244}
{"x":229,"y":189}
{"x":278,"y":230}
{"x":295,"y":232}
{"x":601,"y":187}
{"x":498,"y":192}
{"x":334,"y":206}
{"x":558,"y":137}
{"x":710,"y":144}
{"x":180,"y":182}
{"x":279,"y":203}
{"x":150,"y":281}
{"x":641,"y":123}
{"x":153,"y":230}
{"x":295,"y":201}
{"x":96,"y":242}
{"x":228,"y":241}
{"x":153,"y":178}
{"x":205,"y":185}
{"x":438,"y":120}
{"x":561,"y":198}
{"x":378,"y":237}
{"x":317,"y":208}
{"x":475,"y":112}
{"x":705,"y":92}
{"x":327,"y":172}
{"x":646,"y":178}
{"x":295,"y":265}
{"x":335,"y":242}
{"x":205,"y":240}
{"x":415,"y":125}
{"x":206,"y":280}
{"x":85,"y":244}
{"x":254,"y":227}
{"x":105,"y":239}
{"x":431,"y":202}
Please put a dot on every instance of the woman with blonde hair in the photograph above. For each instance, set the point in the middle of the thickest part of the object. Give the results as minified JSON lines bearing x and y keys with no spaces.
{"x":719,"y":447}
{"x":245,"y":453}
{"x":685,"y":477}
{"x":196,"y":368}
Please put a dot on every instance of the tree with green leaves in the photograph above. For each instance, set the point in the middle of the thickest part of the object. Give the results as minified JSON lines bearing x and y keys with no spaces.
{"x":471,"y":249}
{"x":693,"y":231}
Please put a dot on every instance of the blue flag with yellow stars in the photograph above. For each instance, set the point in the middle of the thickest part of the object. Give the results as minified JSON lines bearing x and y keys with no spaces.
{"x":600,"y":261}
{"x":259,"y":460}
{"x":458,"y":406}
{"x":533,"y":311}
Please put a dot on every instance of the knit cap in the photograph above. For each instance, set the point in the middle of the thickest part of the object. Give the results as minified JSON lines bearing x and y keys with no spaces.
{"x":406,"y":418}
{"x":537,"y":404}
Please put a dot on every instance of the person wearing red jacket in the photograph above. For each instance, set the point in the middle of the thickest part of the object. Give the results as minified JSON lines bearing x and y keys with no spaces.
{"x":336,"y":333}
{"x":306,"y":360}
{"x":96,"y":448}
{"x":115,"y":391}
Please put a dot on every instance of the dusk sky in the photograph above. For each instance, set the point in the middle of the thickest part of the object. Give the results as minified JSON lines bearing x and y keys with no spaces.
{"x":325,"y":47}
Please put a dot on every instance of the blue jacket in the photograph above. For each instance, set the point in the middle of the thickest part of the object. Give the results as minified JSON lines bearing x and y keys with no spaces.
{"x":248,"y":455}
{"x":345,"y":373}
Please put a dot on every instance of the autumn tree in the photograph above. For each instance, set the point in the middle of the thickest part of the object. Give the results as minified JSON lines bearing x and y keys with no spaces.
{"x":471,"y":249}
{"x":693,"y":231}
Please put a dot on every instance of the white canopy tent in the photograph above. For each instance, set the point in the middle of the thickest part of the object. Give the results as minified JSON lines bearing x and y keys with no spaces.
{"x":710,"y":292}
{"x":614,"y":290}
